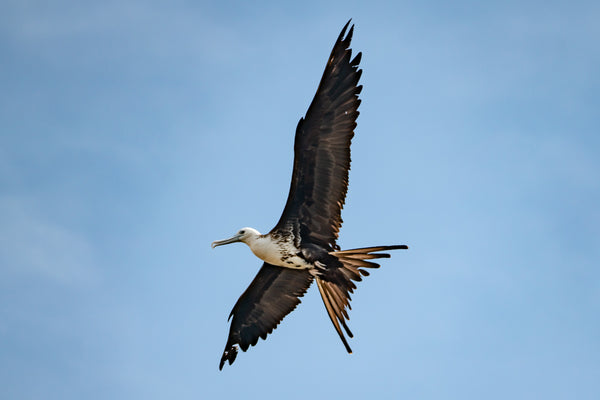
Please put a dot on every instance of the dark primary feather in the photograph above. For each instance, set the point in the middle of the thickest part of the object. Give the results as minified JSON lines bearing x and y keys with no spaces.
{"x":273,"y":294}
{"x":322,"y":151}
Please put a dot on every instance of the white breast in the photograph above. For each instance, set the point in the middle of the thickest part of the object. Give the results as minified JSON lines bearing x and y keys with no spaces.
{"x":282,"y":254}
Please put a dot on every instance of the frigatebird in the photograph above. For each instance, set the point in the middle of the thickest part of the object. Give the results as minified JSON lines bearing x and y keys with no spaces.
{"x":302,"y":246}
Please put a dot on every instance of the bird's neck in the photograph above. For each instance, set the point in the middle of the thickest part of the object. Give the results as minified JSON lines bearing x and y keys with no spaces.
{"x":265,"y":248}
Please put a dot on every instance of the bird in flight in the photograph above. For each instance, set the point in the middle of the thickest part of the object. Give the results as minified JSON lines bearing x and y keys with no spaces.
{"x":302,"y":247}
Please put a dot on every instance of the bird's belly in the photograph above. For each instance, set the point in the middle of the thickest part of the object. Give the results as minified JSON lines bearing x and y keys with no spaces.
{"x":279,"y":255}
{"x":291,"y":262}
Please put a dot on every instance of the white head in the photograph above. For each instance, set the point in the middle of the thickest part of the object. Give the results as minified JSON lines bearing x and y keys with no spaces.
{"x":244,"y":235}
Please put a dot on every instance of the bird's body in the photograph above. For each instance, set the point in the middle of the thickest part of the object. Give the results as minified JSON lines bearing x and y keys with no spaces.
{"x":278,"y":252}
{"x":302,"y":246}
{"x":272,"y":248}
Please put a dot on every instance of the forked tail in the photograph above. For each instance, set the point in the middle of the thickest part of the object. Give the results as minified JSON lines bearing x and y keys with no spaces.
{"x":354,"y":259}
{"x":336,"y":284}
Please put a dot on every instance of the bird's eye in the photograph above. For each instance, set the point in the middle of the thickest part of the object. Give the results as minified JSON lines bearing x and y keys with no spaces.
{"x":242,"y":232}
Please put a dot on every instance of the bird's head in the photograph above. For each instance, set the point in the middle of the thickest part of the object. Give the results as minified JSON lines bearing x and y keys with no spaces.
{"x":243,"y":235}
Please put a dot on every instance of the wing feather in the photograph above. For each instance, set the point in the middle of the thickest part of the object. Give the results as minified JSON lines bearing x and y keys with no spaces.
{"x":322,"y":151}
{"x":273,"y":294}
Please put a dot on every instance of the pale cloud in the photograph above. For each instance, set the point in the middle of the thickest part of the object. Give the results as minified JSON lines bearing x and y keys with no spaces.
{"x":34,"y":247}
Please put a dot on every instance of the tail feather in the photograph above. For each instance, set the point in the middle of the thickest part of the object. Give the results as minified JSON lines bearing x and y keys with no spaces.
{"x":367,"y":256}
{"x":334,"y":312}
{"x":337,"y":283}
{"x":367,"y":250}
{"x":354,"y":259}
{"x":358,"y":263}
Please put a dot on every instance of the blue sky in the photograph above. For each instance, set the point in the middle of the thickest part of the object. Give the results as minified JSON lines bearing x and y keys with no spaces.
{"x":135,"y":133}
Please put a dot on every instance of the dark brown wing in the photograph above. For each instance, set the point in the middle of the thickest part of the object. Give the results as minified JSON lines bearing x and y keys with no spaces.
{"x":273,"y":294}
{"x":322,"y":151}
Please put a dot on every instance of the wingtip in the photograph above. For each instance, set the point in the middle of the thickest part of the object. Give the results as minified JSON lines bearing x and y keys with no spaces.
{"x":347,"y":24}
{"x":343,"y":37}
{"x":350,"y":32}
{"x":228,"y":355}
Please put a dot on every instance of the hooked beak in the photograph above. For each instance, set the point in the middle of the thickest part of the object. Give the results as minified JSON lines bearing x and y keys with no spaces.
{"x":233,"y":239}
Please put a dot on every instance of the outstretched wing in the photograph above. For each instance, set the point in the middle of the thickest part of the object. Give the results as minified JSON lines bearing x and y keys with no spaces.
{"x":322,"y":151}
{"x":273,"y":294}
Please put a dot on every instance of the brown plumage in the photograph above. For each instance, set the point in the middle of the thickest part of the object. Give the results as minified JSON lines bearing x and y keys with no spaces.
{"x":273,"y":294}
{"x":303,"y":244}
{"x":322,"y":151}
